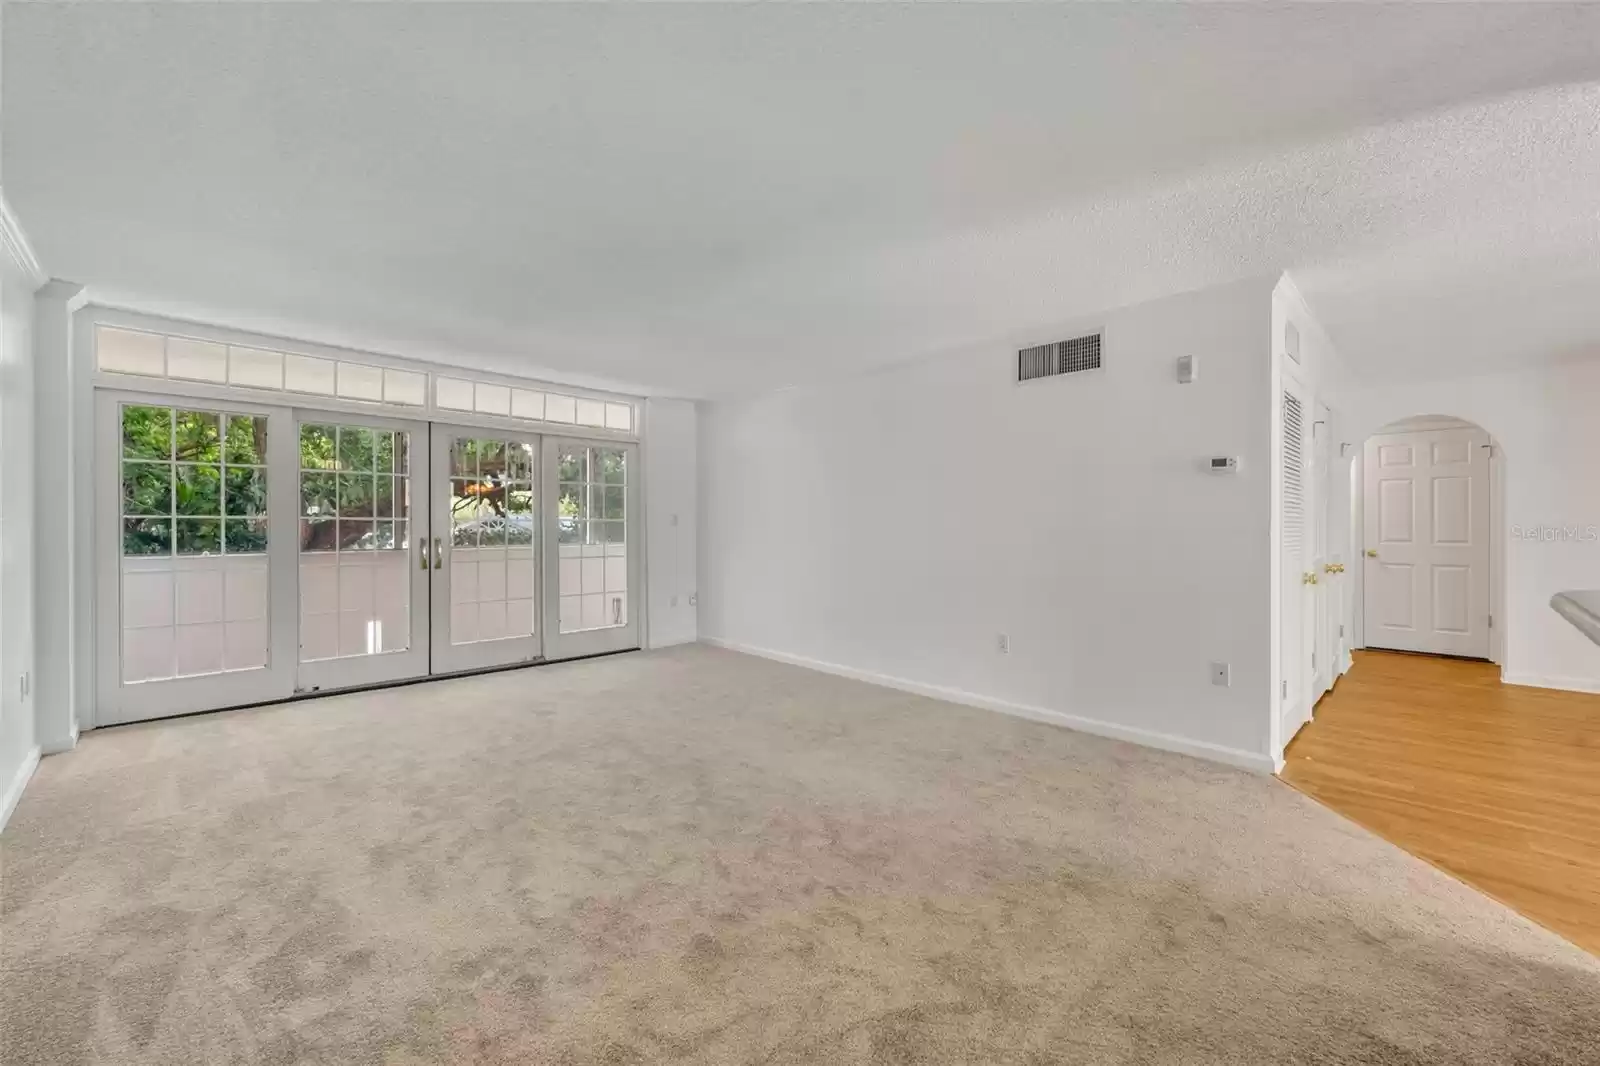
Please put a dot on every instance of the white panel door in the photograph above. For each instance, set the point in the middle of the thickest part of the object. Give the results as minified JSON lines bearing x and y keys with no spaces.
{"x":1298,"y":552}
{"x":363,"y":587}
{"x":485,"y":551}
{"x":194,"y":542}
{"x":1426,"y":568}
{"x":592,"y":509}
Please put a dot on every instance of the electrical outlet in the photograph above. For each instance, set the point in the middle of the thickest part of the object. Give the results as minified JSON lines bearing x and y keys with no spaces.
{"x":1221,"y":675}
{"x":1003,"y":644}
{"x":693,"y":600}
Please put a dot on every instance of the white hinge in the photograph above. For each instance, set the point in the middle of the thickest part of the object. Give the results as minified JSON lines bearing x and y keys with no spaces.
{"x":1313,"y":662}
{"x":1341,"y":629}
{"x":1285,"y":684}
{"x":1491,"y":621}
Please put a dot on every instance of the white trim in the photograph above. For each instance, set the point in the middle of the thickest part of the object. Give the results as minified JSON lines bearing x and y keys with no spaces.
{"x":1256,"y":762}
{"x":18,"y":246}
{"x":1564,"y":684}
{"x":18,"y":782}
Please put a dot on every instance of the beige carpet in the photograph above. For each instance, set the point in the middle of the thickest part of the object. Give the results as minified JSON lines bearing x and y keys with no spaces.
{"x":698,"y":857}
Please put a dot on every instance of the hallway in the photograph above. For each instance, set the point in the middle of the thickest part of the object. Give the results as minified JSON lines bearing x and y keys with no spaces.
{"x":1496,"y":784}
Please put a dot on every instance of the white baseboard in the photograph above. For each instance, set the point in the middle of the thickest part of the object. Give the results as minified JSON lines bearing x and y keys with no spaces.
{"x":1566,"y":684}
{"x":1245,"y":760}
{"x":18,"y":782}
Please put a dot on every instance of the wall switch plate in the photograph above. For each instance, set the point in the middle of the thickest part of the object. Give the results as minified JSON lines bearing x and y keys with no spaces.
{"x":674,"y":601}
{"x":1221,"y":675}
{"x":1188,"y":369}
{"x":1002,"y":644}
{"x":693,"y":599}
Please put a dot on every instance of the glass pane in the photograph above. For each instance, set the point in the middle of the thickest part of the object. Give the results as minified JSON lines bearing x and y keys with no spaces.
{"x":198,"y":437}
{"x":384,"y":536}
{"x":355,"y":534}
{"x":611,"y":532}
{"x":241,"y":535}
{"x":245,"y":443}
{"x":383,"y":450}
{"x":146,"y":536}
{"x":245,"y":490}
{"x":519,"y":461}
{"x":491,"y":459}
{"x":316,"y":447}
{"x":197,"y":490}
{"x":319,"y":494}
{"x":318,"y":534}
{"x":521,"y":520}
{"x":574,"y":463}
{"x":147,"y":432}
{"x":613,"y":466}
{"x":571,"y":530}
{"x":147,"y":488}
{"x":356,"y":448}
{"x":464,"y":458}
{"x":385,"y":496}
{"x":573,"y":501}
{"x":614,"y":501}
{"x":197,"y":536}
{"x":356,"y":495}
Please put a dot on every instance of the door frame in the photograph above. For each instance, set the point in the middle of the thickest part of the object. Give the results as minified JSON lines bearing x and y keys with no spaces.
{"x":87,"y":382}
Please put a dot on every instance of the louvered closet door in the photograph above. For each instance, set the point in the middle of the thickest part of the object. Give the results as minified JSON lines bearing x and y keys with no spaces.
{"x":1298,"y":623}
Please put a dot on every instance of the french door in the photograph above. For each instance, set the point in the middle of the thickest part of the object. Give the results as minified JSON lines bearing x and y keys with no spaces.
{"x":483,"y":555}
{"x":249,"y":553}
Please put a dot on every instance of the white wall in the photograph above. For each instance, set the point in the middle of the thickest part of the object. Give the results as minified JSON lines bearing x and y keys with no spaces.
{"x":671,"y":517}
{"x":893,"y":525}
{"x":1547,"y":423}
{"x":18,"y":746}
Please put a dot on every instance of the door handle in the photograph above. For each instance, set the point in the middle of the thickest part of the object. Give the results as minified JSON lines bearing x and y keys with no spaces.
{"x":438,"y":554}
{"x":1333,"y":568}
{"x":422,"y":553}
{"x":1372,"y":553}
{"x":1308,"y":579}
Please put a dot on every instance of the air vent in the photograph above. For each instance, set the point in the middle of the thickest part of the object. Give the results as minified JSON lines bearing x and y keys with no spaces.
{"x":1062,"y":357}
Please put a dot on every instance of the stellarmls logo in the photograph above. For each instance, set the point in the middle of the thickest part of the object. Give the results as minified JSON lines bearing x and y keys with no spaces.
{"x":1543,"y":534}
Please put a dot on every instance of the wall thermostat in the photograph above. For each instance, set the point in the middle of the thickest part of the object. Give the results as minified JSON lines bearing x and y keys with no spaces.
{"x":1223,"y":464}
{"x":1188,"y":369}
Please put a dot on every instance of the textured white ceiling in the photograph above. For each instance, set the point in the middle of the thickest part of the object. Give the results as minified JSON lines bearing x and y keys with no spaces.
{"x":702,"y":200}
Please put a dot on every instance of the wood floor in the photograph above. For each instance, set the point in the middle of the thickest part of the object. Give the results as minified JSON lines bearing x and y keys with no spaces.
{"x":1496,"y":784}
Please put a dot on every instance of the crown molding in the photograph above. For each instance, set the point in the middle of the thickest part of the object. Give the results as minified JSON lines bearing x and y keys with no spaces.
{"x":17,"y":245}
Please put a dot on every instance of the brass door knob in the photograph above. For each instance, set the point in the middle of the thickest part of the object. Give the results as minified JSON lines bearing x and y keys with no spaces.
{"x":1333,"y":568}
{"x":1372,"y":553}
{"x":1308,"y":579}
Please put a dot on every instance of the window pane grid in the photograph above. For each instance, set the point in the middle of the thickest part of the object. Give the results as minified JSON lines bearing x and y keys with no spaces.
{"x":192,"y":482}
{"x":194,"y":575}
{"x":354,"y":488}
